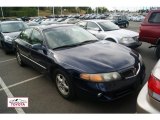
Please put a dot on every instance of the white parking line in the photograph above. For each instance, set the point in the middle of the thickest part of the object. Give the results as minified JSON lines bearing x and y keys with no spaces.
{"x":7,"y":60}
{"x":13,"y":85}
{"x":9,"y":94}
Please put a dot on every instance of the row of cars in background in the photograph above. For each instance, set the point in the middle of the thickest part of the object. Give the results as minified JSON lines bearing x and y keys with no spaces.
{"x":98,"y":71}
{"x":102,"y":29}
{"x":119,"y":19}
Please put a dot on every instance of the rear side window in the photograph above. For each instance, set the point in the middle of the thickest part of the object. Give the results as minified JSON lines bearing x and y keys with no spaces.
{"x":154,"y":18}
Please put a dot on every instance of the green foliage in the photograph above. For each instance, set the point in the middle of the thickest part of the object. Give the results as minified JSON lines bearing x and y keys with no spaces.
{"x":33,"y":11}
{"x":19,"y":11}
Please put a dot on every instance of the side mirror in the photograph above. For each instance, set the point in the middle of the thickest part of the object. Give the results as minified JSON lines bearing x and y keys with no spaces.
{"x":39,"y":46}
{"x":96,"y":29}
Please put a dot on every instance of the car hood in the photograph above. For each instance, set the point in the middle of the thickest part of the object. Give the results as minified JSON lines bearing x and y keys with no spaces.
{"x":121,"y":33}
{"x":12,"y":34}
{"x":98,"y":57}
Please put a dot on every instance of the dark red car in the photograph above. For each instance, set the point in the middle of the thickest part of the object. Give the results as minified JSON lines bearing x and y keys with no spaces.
{"x":150,"y":30}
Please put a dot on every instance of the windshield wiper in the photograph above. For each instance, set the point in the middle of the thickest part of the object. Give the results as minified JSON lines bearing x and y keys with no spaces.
{"x":77,"y":44}
{"x":87,"y":41}
{"x":5,"y":32}
{"x":66,"y":46}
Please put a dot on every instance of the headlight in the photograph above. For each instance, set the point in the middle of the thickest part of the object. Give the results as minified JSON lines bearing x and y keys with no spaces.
{"x":8,"y":39}
{"x":103,"y":77}
{"x":127,"y":40}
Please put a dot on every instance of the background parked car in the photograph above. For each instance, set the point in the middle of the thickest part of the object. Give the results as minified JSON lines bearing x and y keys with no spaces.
{"x":106,"y":30}
{"x":98,"y":72}
{"x":150,"y":30}
{"x":148,"y":100}
{"x":9,"y":30}
{"x":70,"y":21}
{"x":30,"y":23}
{"x":120,"y":20}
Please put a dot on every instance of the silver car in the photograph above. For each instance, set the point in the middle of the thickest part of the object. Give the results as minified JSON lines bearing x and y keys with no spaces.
{"x":107,"y":30}
{"x":148,"y":100}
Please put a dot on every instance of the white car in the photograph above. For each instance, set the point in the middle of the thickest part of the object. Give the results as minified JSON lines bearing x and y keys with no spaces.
{"x":148,"y":100}
{"x":107,"y":30}
{"x":138,"y":18}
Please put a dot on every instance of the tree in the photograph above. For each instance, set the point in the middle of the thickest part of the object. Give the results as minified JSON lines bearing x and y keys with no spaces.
{"x":19,"y":11}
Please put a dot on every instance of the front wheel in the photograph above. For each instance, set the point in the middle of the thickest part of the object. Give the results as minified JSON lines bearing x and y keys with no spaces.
{"x":19,"y":60}
{"x":64,"y":85}
{"x":126,"y":25}
{"x":158,"y":51}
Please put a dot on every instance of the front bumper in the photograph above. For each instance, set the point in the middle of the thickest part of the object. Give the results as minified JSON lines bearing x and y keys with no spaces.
{"x":145,"y":103}
{"x":109,"y":91}
{"x":8,"y":46}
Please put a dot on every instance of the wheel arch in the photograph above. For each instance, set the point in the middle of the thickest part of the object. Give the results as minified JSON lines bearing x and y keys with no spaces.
{"x":112,"y":38}
{"x":68,"y":70}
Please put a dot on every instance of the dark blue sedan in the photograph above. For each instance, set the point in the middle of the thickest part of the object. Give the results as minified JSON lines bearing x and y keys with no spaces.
{"x":79,"y":62}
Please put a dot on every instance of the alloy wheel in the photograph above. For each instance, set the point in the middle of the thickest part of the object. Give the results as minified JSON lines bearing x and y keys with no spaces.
{"x":62,"y":84}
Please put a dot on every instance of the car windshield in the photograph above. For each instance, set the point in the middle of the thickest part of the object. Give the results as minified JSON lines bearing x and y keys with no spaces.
{"x":108,"y":26}
{"x":13,"y":27}
{"x":67,"y":36}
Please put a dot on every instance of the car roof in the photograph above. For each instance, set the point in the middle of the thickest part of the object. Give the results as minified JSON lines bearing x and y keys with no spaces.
{"x":97,"y":20}
{"x":43,"y":27}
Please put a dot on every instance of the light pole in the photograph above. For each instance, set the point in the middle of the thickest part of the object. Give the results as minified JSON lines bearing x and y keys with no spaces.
{"x":38,"y":11}
{"x":53,"y":11}
{"x":2,"y":12}
{"x":97,"y":10}
{"x":61,"y":11}
{"x":87,"y":10}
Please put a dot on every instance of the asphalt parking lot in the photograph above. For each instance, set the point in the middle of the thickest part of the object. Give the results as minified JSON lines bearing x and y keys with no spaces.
{"x":42,"y":93}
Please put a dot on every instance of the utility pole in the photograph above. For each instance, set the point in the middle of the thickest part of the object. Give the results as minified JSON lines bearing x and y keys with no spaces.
{"x":87,"y":10}
{"x":53,"y":11}
{"x":97,"y":10}
{"x":2,"y":12}
{"x":38,"y":11}
{"x":61,"y":10}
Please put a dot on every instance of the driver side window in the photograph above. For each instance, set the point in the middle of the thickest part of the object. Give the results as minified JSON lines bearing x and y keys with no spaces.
{"x":92,"y":25}
{"x":36,"y":37}
{"x":25,"y":35}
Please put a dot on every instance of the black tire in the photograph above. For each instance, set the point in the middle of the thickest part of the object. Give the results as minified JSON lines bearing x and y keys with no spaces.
{"x":6,"y":51}
{"x":126,"y":25}
{"x":65,"y":88}
{"x":158,"y":51}
{"x":1,"y":46}
{"x":19,"y":60}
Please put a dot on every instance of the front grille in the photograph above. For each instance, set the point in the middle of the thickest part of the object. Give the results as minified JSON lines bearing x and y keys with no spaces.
{"x":135,"y":38}
{"x":127,"y":73}
{"x":130,"y":72}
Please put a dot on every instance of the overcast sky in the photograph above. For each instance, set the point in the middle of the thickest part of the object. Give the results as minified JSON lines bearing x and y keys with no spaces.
{"x":110,"y":4}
